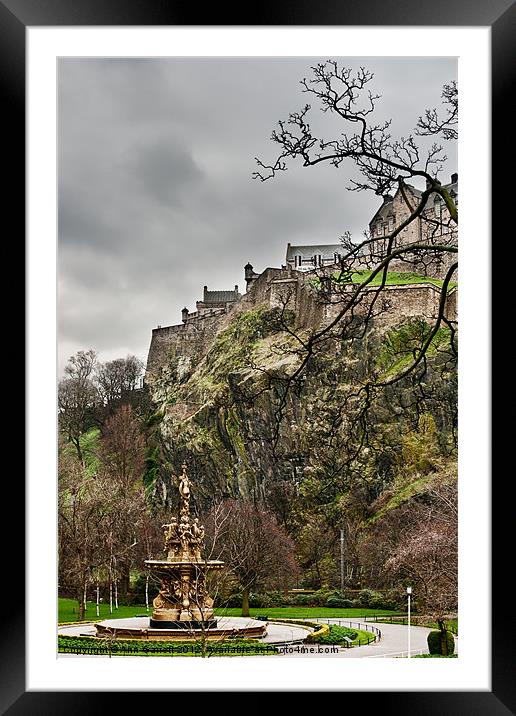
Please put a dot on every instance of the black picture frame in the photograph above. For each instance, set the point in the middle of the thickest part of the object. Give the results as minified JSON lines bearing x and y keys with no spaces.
{"x":15,"y":17}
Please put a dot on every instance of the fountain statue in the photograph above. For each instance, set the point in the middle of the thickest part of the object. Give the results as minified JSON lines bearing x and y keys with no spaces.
{"x":183,"y":600}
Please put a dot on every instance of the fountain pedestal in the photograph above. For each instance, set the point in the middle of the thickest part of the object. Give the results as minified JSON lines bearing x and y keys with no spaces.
{"x":183,"y":600}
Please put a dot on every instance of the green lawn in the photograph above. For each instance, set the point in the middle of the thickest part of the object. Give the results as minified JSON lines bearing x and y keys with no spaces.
{"x":68,"y":612}
{"x":395,"y":278}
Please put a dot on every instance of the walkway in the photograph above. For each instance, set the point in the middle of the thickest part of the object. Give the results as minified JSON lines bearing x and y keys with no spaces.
{"x":393,"y":643}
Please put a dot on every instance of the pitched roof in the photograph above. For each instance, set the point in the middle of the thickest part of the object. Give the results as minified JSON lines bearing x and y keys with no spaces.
{"x":219,"y":296}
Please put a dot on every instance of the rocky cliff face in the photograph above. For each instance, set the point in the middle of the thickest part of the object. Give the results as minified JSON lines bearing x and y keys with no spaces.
{"x":244,"y":430}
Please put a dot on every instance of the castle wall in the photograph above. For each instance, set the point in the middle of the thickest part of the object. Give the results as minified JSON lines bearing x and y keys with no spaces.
{"x":190,"y":339}
{"x":398,"y":303}
{"x":284,"y":287}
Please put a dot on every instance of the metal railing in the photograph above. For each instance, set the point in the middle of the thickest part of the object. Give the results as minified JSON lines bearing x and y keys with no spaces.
{"x":403,"y":619}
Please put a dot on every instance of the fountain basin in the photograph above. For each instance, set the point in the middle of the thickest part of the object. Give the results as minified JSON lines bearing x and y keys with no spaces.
{"x":141,"y":628}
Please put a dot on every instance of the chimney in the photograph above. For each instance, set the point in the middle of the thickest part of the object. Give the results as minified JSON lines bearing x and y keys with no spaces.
{"x":236,"y":288}
{"x":454,"y":178}
{"x":205,"y":292}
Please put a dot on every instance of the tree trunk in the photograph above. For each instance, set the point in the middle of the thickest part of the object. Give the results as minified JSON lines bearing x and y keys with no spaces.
{"x":125,"y":582}
{"x":245,"y":602}
{"x":80,"y":609}
{"x":77,"y":444}
{"x":81,"y":606}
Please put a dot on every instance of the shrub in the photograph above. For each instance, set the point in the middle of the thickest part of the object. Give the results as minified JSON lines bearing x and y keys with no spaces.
{"x":260,"y":601}
{"x":337,"y":601}
{"x":395,"y":598}
{"x":318,"y":598}
{"x":313,"y":638}
{"x":335,"y":635}
{"x":304,"y":600}
{"x":279,"y":599}
{"x":380,"y":601}
{"x":439,"y":642}
{"x":232,"y":602}
{"x":368,"y":597}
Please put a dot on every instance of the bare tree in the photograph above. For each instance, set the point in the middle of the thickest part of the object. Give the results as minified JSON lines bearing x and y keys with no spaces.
{"x":431,"y":124}
{"x":251,"y":543}
{"x":77,"y":395}
{"x":121,"y":463}
{"x":427,"y":554}
{"x":117,"y":377}
{"x":82,"y":510}
{"x":103,"y":513}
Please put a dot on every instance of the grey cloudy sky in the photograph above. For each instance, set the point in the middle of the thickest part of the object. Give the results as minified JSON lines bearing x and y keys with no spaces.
{"x":156,"y":197}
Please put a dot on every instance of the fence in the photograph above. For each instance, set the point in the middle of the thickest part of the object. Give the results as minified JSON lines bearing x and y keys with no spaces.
{"x":415,"y":621}
{"x":392,"y":619}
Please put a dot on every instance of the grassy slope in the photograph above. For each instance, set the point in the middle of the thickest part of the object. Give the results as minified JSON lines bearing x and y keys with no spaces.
{"x":89,"y":446}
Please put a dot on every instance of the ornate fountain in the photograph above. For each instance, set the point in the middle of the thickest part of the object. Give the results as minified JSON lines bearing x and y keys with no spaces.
{"x":183,"y":609}
{"x":183,"y":600}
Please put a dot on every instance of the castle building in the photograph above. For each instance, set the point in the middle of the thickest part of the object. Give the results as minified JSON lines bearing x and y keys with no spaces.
{"x":212,"y":300}
{"x":212,"y":303}
{"x":308,"y":258}
{"x":433,"y":223}
{"x":433,"y":226}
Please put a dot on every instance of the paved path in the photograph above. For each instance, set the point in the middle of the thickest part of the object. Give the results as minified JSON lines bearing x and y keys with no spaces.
{"x":393,"y":643}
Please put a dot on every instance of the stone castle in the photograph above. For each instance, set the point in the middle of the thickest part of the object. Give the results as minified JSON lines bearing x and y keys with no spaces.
{"x":290,"y":286}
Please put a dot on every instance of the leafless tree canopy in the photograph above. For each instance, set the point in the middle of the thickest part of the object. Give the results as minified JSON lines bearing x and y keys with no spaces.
{"x":255,"y":548}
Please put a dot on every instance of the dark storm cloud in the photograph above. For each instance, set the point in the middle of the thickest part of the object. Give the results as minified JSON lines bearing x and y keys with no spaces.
{"x":156,"y":197}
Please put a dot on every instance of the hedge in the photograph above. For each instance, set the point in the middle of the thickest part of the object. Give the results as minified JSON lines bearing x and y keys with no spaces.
{"x":441,"y":643}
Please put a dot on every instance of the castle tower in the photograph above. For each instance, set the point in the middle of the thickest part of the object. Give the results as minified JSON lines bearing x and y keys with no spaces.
{"x":250,"y":276}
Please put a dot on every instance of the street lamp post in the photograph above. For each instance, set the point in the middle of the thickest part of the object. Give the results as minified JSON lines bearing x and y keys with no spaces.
{"x":409,"y":592}
{"x":342,"y":561}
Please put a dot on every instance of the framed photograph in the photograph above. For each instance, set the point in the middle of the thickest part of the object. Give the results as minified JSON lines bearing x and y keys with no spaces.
{"x":169,"y":239}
